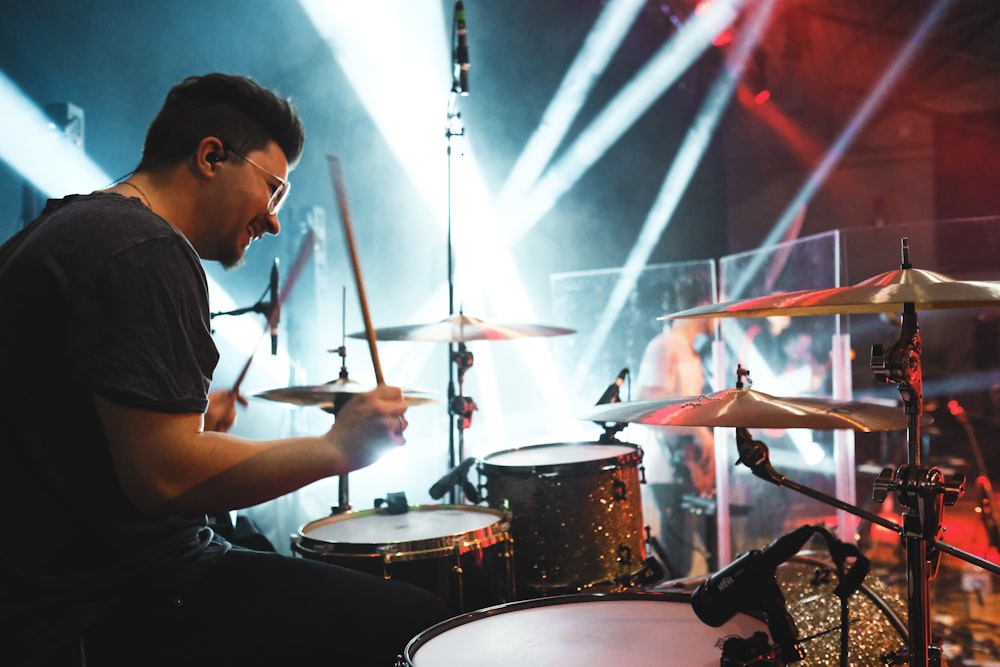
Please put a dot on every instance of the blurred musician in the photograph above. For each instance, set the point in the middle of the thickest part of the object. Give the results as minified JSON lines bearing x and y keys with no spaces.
{"x":683,"y":487}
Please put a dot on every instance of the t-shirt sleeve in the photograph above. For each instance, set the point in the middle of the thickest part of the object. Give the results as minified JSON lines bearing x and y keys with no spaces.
{"x":141,"y":332}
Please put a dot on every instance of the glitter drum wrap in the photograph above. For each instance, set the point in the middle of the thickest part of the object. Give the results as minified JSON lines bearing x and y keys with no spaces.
{"x":576,"y":514}
{"x":877,"y":615}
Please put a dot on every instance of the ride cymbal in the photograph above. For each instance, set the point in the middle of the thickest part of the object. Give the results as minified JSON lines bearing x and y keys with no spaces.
{"x":886,"y":292}
{"x":746,"y":408}
{"x":333,"y":393}
{"x":463,"y":328}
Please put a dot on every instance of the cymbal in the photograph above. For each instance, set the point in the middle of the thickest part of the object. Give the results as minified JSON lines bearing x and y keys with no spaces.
{"x":886,"y":292}
{"x":462,"y":328}
{"x":330,"y":394}
{"x":746,"y":408}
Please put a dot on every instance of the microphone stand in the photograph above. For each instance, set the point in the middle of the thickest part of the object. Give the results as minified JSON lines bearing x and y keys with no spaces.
{"x":459,"y":410}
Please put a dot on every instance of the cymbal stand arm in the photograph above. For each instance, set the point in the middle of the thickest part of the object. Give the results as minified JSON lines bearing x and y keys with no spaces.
{"x":755,"y":455}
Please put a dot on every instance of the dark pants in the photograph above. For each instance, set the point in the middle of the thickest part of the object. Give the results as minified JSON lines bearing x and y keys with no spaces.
{"x":683,"y":529}
{"x":261,"y":608}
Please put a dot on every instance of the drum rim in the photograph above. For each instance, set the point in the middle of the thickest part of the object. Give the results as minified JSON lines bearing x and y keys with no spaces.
{"x":391,"y":551}
{"x":575,"y":598}
{"x":634,"y":454}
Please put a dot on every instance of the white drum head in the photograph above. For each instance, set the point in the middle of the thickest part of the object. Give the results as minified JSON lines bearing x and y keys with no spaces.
{"x":585,"y":631}
{"x":418,"y":524}
{"x":557,"y":454}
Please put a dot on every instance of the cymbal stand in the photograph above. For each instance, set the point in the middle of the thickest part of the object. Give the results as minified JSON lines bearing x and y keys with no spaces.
{"x":457,"y":363}
{"x":755,"y":455}
{"x":920,"y":490}
{"x":459,"y":405}
{"x":343,"y":486}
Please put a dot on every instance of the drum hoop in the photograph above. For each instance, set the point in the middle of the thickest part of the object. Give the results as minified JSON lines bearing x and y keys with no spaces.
{"x":628,"y":459}
{"x":461,"y":543}
{"x":462,"y":619}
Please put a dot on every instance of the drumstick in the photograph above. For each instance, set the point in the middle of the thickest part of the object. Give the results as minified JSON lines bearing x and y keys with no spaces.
{"x":345,"y":216}
{"x":304,"y":252}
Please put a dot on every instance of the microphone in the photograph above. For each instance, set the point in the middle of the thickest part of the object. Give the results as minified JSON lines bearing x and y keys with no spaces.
{"x":461,"y":51}
{"x":749,"y":584}
{"x":454,"y":476}
{"x":610,"y":394}
{"x":275,"y":310}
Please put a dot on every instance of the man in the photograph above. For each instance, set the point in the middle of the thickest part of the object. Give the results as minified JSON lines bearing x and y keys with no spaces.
{"x":672,"y":366}
{"x":112,"y":454}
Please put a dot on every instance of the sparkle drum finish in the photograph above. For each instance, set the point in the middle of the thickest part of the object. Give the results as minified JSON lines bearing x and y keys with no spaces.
{"x":576,"y":514}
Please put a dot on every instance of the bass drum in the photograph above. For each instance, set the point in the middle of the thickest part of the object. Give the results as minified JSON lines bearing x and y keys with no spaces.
{"x":877,"y":614}
{"x":635,"y":629}
{"x":460,"y":553}
{"x":576,"y":514}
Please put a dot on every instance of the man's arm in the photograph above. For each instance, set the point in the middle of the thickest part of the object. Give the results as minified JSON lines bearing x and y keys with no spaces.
{"x":168,"y":463}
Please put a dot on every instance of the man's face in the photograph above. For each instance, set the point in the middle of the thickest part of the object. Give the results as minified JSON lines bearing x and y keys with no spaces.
{"x":248,"y":187}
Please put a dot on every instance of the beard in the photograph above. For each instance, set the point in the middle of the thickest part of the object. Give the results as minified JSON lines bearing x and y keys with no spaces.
{"x":232,"y":258}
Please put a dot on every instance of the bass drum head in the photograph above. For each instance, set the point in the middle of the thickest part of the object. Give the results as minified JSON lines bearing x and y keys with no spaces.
{"x":633,"y":629}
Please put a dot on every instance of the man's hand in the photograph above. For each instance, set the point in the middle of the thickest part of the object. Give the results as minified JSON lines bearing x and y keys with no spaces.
{"x":369,"y":425}
{"x":221,"y":414}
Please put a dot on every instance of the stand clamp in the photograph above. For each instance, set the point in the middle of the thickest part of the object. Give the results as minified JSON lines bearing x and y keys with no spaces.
{"x":924,"y":492}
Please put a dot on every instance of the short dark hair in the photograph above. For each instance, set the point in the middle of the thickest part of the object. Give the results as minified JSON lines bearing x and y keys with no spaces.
{"x":693,"y":289}
{"x":240,"y":112}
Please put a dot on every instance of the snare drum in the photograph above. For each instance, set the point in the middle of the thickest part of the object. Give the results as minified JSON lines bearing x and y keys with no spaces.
{"x":634,"y":629}
{"x":460,"y":553}
{"x":576,"y":514}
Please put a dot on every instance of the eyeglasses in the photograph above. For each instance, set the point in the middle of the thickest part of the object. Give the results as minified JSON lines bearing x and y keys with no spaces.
{"x":280,"y":193}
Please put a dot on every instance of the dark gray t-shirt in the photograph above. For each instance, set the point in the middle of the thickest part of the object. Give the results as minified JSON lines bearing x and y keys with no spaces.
{"x":98,"y":295}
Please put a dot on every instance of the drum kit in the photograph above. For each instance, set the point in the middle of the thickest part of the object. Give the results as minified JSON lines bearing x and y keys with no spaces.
{"x":579,"y":588}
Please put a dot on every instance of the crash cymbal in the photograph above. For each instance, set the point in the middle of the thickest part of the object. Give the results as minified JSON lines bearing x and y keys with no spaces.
{"x":746,"y":408}
{"x":328,"y":395}
{"x":886,"y":292}
{"x":462,"y":328}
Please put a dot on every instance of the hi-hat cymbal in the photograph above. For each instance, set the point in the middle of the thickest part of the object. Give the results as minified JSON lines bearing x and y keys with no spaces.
{"x":462,"y":328}
{"x":331,"y":394}
{"x":746,"y":408}
{"x":886,"y":292}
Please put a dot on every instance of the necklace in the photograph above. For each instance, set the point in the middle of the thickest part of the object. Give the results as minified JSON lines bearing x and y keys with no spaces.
{"x":145,"y":199}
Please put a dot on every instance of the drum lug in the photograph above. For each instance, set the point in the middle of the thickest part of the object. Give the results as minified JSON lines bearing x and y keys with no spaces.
{"x":624,"y":555}
{"x":618,"y":487}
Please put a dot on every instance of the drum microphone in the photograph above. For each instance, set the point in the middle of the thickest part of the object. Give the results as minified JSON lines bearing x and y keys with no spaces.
{"x":461,"y":51}
{"x":454,"y":477}
{"x":610,"y":394}
{"x":749,"y":584}
{"x":275,"y":310}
